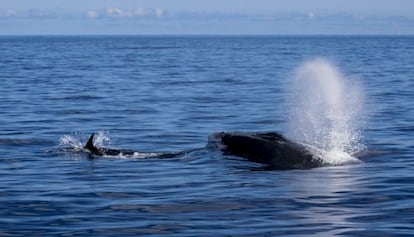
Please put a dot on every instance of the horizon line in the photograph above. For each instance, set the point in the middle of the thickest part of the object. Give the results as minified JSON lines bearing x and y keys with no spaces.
{"x":212,"y":34}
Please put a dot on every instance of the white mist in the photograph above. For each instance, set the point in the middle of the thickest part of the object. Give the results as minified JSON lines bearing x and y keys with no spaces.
{"x":326,"y":111}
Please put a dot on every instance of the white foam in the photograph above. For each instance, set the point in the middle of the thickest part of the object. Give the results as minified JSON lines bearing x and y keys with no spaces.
{"x":102,"y":139}
{"x":326,"y":111}
{"x":135,"y":155}
{"x":75,"y":142}
{"x":70,"y":141}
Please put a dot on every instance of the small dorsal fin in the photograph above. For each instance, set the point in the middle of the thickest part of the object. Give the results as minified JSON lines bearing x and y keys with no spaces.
{"x":90,"y":147}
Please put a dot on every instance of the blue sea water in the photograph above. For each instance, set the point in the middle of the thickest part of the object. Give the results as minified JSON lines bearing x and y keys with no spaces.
{"x":168,"y":94}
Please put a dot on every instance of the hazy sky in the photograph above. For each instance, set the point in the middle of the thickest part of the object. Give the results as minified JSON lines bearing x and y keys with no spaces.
{"x":206,"y":17}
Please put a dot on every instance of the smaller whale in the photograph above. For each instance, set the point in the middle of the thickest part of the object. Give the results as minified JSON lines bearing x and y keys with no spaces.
{"x":101,"y":151}
{"x":272,"y":149}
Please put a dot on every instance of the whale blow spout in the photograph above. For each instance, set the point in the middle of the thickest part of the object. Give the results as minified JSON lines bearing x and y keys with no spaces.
{"x":326,"y":111}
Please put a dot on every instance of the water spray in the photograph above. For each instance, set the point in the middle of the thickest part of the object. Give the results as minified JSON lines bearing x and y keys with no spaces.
{"x":326,"y":111}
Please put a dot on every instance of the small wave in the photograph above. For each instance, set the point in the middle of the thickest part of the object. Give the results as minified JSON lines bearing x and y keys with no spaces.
{"x":17,"y":141}
{"x":77,"y":97}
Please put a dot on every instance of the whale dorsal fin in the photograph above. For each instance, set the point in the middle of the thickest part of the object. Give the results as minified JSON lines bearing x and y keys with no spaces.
{"x":90,"y":147}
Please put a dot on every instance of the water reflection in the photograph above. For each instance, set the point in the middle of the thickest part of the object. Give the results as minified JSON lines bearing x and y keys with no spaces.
{"x":322,"y":195}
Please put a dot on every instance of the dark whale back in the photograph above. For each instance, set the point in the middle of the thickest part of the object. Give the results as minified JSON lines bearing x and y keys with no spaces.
{"x":272,"y":149}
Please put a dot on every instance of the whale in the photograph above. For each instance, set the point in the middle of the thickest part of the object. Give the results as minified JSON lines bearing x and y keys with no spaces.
{"x":270,"y":148}
{"x":111,"y":152}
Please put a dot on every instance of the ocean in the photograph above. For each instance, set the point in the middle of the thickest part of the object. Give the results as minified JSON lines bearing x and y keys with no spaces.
{"x":157,"y":94}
